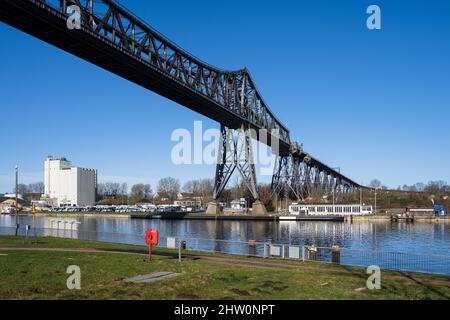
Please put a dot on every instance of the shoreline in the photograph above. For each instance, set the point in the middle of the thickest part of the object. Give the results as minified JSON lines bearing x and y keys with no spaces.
{"x":396,"y":219}
{"x":274,"y":218}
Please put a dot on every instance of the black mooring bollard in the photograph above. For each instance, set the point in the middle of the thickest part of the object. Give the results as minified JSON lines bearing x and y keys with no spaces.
{"x":336,"y":254}
{"x":252,"y":248}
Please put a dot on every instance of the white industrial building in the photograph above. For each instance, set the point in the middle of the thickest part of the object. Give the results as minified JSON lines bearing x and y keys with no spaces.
{"x":66,"y":185}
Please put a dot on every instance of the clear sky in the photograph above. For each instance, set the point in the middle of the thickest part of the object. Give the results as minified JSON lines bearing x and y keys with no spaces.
{"x":374,"y":103}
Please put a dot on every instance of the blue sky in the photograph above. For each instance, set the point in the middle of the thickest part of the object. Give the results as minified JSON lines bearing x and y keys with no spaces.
{"x":374,"y":103}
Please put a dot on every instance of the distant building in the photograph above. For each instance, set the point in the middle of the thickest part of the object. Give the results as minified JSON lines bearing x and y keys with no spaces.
{"x":188,"y":203}
{"x":189,"y":199}
{"x":239,"y":204}
{"x":66,"y":185}
{"x":12,"y":196}
{"x":185,"y":195}
{"x":160,"y":197}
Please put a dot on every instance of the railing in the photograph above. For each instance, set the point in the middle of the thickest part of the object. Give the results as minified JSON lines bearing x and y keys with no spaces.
{"x":397,"y":261}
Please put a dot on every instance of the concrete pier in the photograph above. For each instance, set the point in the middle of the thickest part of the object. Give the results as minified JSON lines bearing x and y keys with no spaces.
{"x":213,"y":208}
{"x":259,"y":209}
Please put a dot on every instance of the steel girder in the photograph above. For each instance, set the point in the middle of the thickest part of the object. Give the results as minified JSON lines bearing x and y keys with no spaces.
{"x":234,"y":91}
{"x":286,"y":176}
{"x":113,"y":38}
{"x":299,"y":176}
{"x":235,"y":152}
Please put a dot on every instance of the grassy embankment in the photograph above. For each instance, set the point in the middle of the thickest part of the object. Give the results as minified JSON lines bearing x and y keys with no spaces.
{"x":27,"y":274}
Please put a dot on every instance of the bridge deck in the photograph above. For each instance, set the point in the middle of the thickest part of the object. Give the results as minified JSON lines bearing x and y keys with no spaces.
{"x":232,"y":104}
{"x":49,"y":25}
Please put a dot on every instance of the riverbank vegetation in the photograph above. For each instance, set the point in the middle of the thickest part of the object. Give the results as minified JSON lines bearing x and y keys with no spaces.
{"x":37,"y":270}
{"x":168,"y":190}
{"x":419,"y":195}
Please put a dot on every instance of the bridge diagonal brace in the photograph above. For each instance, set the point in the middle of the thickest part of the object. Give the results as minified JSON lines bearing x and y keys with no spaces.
{"x":225,"y":162}
{"x":285,"y":177}
{"x":235,"y":152}
{"x":245,"y":162}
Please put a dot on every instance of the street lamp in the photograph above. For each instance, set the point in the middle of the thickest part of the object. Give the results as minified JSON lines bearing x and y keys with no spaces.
{"x":16,"y":207}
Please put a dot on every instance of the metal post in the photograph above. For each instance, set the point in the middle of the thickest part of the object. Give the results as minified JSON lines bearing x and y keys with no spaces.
{"x":16,"y":207}
{"x":63,"y":5}
{"x":27,"y":227}
{"x":252,"y":248}
{"x":181,"y":247}
{"x":336,"y":254}
{"x":334,"y":203}
{"x":91,"y":15}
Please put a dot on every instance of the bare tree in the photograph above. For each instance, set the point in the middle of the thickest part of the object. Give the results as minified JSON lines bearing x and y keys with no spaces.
{"x":436,"y":186}
{"x":111,"y":189}
{"x":37,"y":187}
{"x":375,"y":184}
{"x":123,"y":189}
{"x":21,"y":189}
{"x":203,"y":187}
{"x":169,"y":187}
{"x":207,"y":187}
{"x":420,"y":186}
{"x":192,"y":186}
{"x":141,"y":192}
{"x":148,"y":192}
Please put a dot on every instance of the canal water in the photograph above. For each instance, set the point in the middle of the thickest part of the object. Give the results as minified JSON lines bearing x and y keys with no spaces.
{"x":409,"y":238}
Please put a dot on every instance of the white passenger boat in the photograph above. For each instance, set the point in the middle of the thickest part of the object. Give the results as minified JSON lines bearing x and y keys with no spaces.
{"x":329,"y":209}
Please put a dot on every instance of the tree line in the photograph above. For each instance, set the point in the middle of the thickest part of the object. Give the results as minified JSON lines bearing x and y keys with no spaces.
{"x":438,"y":186}
{"x":25,"y":189}
{"x":167,"y":191}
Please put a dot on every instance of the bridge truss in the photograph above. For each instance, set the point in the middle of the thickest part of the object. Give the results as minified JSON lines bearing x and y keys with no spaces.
{"x":113,"y":38}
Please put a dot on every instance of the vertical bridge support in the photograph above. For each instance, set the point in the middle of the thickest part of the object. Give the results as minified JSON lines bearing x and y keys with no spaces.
{"x":235,"y":152}
{"x":286,"y":176}
{"x":285,"y":179}
{"x":298,"y":176}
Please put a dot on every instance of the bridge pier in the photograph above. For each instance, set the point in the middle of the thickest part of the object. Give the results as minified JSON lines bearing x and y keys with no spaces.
{"x":213,"y":208}
{"x":235,"y":152}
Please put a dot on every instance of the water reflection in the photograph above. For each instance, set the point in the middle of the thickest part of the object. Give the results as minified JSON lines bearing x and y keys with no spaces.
{"x":428,"y":238}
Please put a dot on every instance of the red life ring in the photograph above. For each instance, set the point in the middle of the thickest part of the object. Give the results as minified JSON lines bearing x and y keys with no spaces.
{"x":152,"y":237}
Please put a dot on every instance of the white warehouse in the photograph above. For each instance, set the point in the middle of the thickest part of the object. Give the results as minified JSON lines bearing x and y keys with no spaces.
{"x":66,"y":185}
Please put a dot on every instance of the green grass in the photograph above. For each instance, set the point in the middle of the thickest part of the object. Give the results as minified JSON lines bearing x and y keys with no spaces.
{"x":49,"y":242}
{"x":42,"y":275}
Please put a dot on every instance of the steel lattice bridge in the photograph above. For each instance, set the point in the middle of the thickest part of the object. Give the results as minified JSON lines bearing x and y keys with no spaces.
{"x":113,"y":38}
